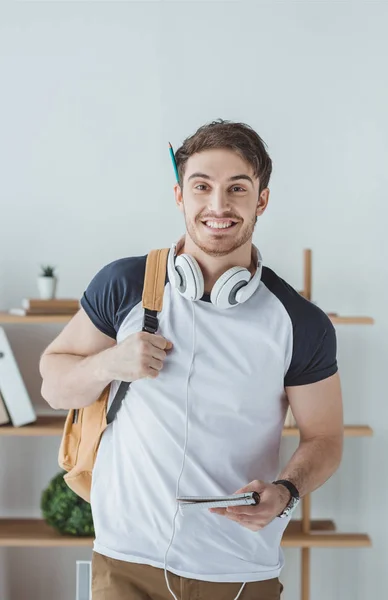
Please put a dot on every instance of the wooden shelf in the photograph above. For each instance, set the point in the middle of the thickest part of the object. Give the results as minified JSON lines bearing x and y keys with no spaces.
{"x":7,"y":318}
{"x":322,"y":537}
{"x":36,"y":533}
{"x":43,"y":426}
{"x":53,"y":425}
{"x":349,"y":431}
{"x":338,"y":320}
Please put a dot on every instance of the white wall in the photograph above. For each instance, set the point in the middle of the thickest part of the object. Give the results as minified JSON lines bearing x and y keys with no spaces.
{"x":91,"y":93}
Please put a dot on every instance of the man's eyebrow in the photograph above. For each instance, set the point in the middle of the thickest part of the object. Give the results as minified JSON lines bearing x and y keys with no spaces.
{"x":233,"y":178}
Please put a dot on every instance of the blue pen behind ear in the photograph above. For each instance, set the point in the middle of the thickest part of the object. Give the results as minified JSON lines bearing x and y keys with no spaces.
{"x":174,"y":162}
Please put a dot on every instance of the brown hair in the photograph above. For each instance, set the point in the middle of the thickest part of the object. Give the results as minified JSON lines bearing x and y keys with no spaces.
{"x":239,"y":137}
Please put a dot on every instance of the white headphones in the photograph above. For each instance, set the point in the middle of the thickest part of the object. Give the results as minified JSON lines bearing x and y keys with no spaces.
{"x":235,"y":286}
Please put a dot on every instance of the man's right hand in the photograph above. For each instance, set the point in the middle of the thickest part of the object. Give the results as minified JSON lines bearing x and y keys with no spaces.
{"x":140,"y":355}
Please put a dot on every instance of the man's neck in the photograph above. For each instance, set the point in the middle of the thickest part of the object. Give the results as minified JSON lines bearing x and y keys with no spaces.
{"x":213,"y":267}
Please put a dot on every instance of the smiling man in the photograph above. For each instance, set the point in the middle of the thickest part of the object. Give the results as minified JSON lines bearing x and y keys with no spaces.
{"x":209,"y":393}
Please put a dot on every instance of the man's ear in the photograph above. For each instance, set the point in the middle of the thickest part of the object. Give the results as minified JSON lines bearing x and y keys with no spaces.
{"x":262,"y":202}
{"x":178,"y":196}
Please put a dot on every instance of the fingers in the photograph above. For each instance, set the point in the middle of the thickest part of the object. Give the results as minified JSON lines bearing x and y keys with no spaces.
{"x":245,"y":521}
{"x":240,"y":511}
{"x":156,"y":364}
{"x":218,"y":511}
{"x":158,"y":353}
{"x":159,"y":342}
{"x":244,"y":510}
{"x":241,"y":519}
{"x":152,"y":373}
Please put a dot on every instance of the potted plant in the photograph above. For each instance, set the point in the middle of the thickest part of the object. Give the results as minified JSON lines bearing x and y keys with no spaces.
{"x":63,"y":510}
{"x":47,"y":282}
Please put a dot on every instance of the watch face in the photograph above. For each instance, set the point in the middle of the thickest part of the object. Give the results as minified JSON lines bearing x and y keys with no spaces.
{"x":289,"y":508}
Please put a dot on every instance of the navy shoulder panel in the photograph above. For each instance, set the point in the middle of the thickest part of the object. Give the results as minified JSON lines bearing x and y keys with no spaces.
{"x":113,"y":292}
{"x":314,"y":353}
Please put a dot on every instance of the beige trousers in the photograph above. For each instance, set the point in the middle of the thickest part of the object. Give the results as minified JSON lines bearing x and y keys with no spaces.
{"x":120,"y":580}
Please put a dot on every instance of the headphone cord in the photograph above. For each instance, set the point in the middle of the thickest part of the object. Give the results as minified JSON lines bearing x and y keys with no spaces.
{"x":184,"y":456}
{"x":185,"y":446}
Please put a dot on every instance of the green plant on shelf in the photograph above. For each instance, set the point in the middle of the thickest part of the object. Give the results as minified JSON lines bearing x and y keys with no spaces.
{"x":47,"y":271}
{"x":63,"y":510}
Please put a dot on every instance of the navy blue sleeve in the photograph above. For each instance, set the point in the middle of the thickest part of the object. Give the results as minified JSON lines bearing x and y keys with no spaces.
{"x":314,"y":342}
{"x":314,"y":355}
{"x":113,"y":292}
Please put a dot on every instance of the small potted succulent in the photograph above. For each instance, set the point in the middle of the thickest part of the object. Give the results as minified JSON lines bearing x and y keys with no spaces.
{"x":47,"y":282}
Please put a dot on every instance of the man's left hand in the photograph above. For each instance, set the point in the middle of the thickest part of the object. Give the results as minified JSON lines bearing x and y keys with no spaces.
{"x":273,"y":500}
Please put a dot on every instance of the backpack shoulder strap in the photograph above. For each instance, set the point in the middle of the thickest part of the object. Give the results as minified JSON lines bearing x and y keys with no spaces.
{"x":152,"y":302}
{"x":153,"y":290}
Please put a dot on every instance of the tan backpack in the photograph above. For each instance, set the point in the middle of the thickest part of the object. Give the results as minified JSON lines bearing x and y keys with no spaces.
{"x":84,"y":426}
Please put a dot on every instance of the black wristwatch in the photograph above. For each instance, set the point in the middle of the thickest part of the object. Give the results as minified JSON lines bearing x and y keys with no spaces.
{"x":294,"y":497}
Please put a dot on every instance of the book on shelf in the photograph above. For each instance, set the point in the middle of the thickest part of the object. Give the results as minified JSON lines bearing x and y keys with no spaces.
{"x":13,"y":391}
{"x":29,"y":312}
{"x":4,"y":416}
{"x":55,"y":306}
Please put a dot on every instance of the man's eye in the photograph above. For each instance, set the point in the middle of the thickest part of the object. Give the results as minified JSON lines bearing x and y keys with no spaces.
{"x":236,"y":188}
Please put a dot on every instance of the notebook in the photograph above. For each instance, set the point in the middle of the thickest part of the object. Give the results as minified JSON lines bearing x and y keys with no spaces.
{"x":13,"y":390}
{"x":4,"y":416}
{"x":206,"y":502}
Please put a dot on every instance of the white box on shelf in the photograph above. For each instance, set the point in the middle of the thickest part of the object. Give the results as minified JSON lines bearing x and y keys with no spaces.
{"x":13,"y":390}
{"x":84,"y":580}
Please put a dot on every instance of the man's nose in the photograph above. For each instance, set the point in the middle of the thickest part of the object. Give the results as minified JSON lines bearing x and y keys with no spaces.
{"x":219,"y":201}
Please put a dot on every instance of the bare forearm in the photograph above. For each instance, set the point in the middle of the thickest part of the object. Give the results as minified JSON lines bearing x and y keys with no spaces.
{"x":71,"y":381}
{"x":313,"y":463}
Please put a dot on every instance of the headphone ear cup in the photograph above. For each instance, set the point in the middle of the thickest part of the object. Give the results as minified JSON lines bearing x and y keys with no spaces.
{"x":245,"y":292}
{"x":226,"y":287}
{"x":192,"y":286}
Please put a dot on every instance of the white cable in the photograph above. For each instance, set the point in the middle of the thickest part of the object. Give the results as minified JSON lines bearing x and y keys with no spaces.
{"x":183,"y":461}
{"x":184,"y":450}
{"x":241,"y":589}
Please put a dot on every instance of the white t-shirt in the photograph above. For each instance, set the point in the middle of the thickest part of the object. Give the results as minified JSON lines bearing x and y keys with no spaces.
{"x":230,"y":368}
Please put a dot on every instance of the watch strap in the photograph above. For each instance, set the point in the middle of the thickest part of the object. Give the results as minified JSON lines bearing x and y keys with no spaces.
{"x":290,"y":486}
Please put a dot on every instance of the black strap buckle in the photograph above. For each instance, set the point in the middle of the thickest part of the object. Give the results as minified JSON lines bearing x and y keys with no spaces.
{"x":150,"y":321}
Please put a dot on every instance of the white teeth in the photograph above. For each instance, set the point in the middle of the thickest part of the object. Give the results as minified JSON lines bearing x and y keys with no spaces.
{"x":217,"y":225}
